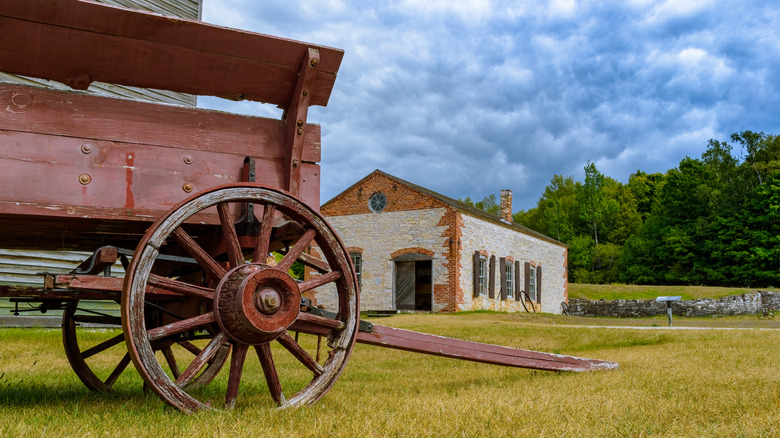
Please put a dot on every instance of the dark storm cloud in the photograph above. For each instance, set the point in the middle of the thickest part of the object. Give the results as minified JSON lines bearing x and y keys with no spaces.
{"x":468,"y":98}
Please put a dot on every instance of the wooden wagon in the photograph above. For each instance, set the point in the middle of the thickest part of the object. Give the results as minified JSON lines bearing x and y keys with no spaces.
{"x":204,"y":197}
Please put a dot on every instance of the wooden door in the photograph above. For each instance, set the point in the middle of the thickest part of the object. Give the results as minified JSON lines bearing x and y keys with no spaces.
{"x":404,"y":285}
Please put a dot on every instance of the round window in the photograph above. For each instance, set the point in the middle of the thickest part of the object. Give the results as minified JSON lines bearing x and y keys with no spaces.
{"x":377,"y":202}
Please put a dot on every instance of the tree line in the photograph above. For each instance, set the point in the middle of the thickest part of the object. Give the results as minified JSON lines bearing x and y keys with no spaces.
{"x":713,"y":220}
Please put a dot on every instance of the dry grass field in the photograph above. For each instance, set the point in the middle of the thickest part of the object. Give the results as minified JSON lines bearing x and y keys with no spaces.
{"x":693,"y":382}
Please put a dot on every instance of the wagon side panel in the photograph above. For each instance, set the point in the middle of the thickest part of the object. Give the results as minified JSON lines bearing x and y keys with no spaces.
{"x":74,"y":164}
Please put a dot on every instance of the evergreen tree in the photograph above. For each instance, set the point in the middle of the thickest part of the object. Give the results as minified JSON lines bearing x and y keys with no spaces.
{"x":746,"y":245}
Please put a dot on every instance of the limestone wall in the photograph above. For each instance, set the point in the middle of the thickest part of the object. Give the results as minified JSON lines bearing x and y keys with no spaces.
{"x":379,"y":235}
{"x":502,"y":241}
{"x":745,"y":304}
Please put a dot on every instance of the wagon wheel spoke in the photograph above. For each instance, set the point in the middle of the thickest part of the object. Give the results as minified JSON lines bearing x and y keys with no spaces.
{"x":120,"y":367}
{"x":181,"y":287}
{"x":236,"y":369}
{"x":204,"y":259}
{"x":103,"y":346}
{"x":189,"y":346}
{"x":180,"y":326}
{"x":235,"y":255}
{"x":318,"y":265}
{"x":264,"y":235}
{"x":171,"y":359}
{"x":192,"y":348}
{"x":292,"y":255}
{"x":201,"y":359}
{"x":215,"y":363}
{"x":320,"y":321}
{"x":271,"y":376}
{"x":296,"y":350}
{"x":321,"y":280}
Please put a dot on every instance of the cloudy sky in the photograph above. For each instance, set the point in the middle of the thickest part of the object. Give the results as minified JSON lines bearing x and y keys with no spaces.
{"x":470,"y":97}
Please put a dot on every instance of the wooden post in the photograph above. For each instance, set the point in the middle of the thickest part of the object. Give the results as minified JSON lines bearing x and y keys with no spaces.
{"x":295,"y":119}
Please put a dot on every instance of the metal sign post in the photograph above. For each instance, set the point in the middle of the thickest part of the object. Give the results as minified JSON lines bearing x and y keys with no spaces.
{"x":668,"y":301}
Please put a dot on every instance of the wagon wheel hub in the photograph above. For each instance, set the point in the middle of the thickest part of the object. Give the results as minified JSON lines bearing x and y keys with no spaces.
{"x":255,"y":303}
{"x":268,"y":301}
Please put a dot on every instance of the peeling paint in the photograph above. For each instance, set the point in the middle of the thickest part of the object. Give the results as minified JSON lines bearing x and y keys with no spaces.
{"x":129,"y":196}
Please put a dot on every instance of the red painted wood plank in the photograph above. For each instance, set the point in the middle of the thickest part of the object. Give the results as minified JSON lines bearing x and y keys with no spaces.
{"x":43,"y":204}
{"x":85,"y":287}
{"x":37,"y":110}
{"x":120,"y":176}
{"x":76,"y":42}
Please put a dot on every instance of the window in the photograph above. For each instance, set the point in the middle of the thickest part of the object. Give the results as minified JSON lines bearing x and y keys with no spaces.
{"x":377,"y":202}
{"x":357,"y":262}
{"x":480,"y":274}
{"x":483,"y":271}
{"x":510,"y":280}
{"x":533,"y":282}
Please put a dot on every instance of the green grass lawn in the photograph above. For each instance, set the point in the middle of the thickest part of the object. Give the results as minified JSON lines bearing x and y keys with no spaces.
{"x":637,"y":292}
{"x":670,"y":383}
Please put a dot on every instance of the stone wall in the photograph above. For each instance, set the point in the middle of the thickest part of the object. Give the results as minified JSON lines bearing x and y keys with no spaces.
{"x":745,"y":304}
{"x":379,"y":236}
{"x":500,"y":240}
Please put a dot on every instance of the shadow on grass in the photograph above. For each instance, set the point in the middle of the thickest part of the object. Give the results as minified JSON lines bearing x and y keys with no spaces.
{"x":26,"y":393}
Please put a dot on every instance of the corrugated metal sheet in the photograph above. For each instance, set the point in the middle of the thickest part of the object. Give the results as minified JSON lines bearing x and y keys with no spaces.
{"x":177,"y":8}
{"x":23,"y":268}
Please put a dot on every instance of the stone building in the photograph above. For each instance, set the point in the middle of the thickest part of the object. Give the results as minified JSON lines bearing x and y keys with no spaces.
{"x":415,"y":249}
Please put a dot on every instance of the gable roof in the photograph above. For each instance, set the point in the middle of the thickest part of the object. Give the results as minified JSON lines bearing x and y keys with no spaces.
{"x":455,"y":204}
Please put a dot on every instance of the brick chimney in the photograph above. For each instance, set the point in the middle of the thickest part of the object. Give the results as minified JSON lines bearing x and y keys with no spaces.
{"x":506,"y":206}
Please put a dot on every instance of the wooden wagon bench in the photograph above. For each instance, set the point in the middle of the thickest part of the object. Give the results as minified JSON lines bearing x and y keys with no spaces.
{"x":203,"y":196}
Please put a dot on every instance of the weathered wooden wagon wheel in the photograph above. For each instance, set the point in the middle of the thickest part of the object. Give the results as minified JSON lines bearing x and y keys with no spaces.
{"x":78,"y":354}
{"x":99,"y":363}
{"x":246,"y":302}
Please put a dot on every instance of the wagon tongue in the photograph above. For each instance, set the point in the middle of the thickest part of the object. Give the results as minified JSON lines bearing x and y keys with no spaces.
{"x":407,"y":340}
{"x":474,"y":351}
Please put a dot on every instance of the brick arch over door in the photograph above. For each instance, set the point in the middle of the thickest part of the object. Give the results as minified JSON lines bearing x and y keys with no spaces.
{"x":415,"y":250}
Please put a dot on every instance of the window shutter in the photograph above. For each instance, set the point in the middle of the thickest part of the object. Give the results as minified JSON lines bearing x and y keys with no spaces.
{"x":539,"y":284}
{"x":492,"y":285}
{"x":476,"y":273}
{"x":502,"y":271}
{"x":517,"y":281}
{"x":528,"y":279}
